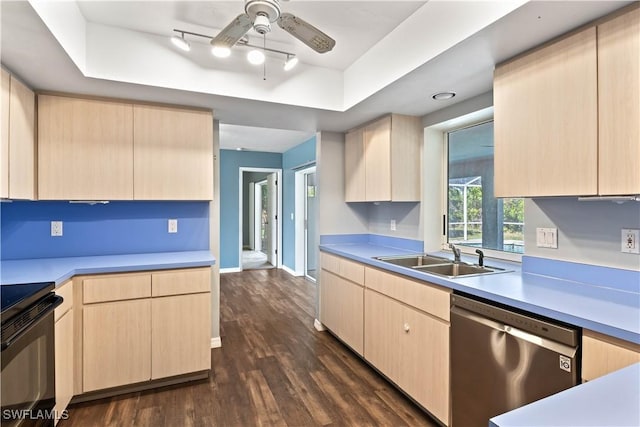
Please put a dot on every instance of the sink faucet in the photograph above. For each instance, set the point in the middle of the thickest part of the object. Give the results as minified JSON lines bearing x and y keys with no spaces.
{"x":480,"y":257}
{"x":456,"y":252}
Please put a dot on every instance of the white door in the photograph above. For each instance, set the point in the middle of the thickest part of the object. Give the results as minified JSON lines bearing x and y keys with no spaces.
{"x":252,"y":216}
{"x":272,"y":220}
{"x":310,"y":207}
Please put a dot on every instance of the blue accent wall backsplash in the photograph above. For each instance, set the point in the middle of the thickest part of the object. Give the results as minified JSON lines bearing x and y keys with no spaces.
{"x":110,"y":229}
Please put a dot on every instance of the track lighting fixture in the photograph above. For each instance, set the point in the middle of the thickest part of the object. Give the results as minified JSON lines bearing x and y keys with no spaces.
{"x":180,"y":42}
{"x":255,"y":56}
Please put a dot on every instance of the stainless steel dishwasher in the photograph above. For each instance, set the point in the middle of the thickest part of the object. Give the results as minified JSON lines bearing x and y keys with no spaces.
{"x":501,"y":360}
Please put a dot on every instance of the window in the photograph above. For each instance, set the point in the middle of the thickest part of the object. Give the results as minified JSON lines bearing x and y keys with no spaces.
{"x":475,"y":217}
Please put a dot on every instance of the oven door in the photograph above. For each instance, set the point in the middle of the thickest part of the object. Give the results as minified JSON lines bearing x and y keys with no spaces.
{"x":28,"y":366}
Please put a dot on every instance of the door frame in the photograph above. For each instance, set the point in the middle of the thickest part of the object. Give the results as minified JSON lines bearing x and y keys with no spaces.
{"x":278,"y":173}
{"x":300,"y":202}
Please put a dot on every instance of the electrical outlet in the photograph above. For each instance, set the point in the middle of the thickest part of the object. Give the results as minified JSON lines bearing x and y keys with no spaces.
{"x":173,"y":226}
{"x":392,"y":225}
{"x":630,"y":241}
{"x":547,"y":238}
{"x":56,"y":228}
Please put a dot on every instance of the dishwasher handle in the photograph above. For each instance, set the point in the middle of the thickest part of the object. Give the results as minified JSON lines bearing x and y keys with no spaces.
{"x":515,"y":332}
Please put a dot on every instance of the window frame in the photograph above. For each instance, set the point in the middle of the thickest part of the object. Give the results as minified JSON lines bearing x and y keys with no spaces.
{"x":444,"y":197}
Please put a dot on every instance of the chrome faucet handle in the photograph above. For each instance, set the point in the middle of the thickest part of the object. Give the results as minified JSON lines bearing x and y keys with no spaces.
{"x":456,"y":252}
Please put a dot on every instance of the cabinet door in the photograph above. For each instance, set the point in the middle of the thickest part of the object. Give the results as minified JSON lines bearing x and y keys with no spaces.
{"x":64,"y":361}
{"x":406,"y":138}
{"x":22,"y":150}
{"x":619,"y":104}
{"x":377,"y":153}
{"x":181,"y":337}
{"x":116,"y":344}
{"x":85,"y":149}
{"x":4,"y":134}
{"x":424,"y":367}
{"x":602,"y":355}
{"x":546,"y":121}
{"x":173,"y":152}
{"x":342,"y":307}
{"x":354,"y":168}
{"x":383,"y":325}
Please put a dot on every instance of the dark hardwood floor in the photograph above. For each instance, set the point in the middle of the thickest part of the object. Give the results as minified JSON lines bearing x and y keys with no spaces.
{"x":273,"y":368}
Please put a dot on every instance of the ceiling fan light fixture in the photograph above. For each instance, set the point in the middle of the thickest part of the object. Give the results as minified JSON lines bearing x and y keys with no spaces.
{"x":255,"y":57}
{"x":291,"y":62}
{"x":181,"y":43}
{"x":220,"y":51}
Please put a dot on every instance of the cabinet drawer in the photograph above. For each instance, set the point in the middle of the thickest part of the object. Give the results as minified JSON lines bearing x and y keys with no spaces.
{"x":350,"y":270}
{"x":425,"y":297}
{"x":178,"y":282}
{"x":66,"y":292}
{"x":602,"y":354}
{"x":116,"y":287}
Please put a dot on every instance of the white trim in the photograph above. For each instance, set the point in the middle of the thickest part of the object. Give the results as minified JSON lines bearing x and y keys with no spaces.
{"x":300,"y":204}
{"x":216,"y":342}
{"x":290,"y":271}
{"x":278,"y":173}
{"x":230,"y":270}
{"x":318,"y":325}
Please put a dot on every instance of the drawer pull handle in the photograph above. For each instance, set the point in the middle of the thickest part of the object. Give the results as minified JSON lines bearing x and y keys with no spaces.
{"x":406,"y":327}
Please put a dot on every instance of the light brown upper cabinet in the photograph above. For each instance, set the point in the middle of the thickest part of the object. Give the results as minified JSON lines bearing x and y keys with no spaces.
{"x":95,"y":149}
{"x":382,"y":160}
{"x":173,"y":153}
{"x":18,"y":171}
{"x":619,"y":104}
{"x":85,"y":149}
{"x":567,"y":115}
{"x":546,"y":112}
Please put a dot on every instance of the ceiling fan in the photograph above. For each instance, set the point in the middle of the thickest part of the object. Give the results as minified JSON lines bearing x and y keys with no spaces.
{"x":259,"y":15}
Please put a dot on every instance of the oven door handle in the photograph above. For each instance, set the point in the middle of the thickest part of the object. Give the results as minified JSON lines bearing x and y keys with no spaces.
{"x":54,"y":301}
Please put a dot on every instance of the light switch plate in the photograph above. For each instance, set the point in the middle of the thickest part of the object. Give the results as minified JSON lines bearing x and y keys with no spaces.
{"x":173,"y":226}
{"x":392,"y":225}
{"x":547,"y":238}
{"x":56,"y":228}
{"x":630,"y":241}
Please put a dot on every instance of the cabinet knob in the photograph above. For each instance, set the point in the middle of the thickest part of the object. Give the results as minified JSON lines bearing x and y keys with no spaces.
{"x":406,"y":327}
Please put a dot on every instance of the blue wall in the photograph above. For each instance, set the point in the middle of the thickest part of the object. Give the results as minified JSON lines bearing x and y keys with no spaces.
{"x":230,"y":163}
{"x":114,"y":228}
{"x":295,"y":157}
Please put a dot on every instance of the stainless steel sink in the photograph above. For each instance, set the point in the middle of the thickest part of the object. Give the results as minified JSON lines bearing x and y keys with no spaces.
{"x":413,"y":261}
{"x":452,"y":270}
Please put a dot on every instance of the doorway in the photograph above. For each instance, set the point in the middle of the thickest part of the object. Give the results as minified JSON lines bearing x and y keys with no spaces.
{"x":306,"y":224}
{"x":260,"y":223}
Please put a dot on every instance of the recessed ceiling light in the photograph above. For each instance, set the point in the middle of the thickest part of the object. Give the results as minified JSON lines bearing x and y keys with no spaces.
{"x":441,"y":96}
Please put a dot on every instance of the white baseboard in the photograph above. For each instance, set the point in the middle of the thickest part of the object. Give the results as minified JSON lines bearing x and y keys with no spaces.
{"x":216,"y":342}
{"x":290,"y":271}
{"x":230,"y":270}
{"x":319,"y":326}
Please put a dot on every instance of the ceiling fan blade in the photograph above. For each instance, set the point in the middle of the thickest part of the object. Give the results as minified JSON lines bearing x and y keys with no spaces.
{"x":233,"y":32}
{"x":306,"y":33}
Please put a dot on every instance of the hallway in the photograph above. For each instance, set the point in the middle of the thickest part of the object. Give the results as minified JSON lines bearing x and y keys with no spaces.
{"x":274,"y":369}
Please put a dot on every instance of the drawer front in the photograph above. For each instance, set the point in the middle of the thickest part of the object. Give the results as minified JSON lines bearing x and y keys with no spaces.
{"x":179,"y":282}
{"x":66,"y":292}
{"x":428,"y":298}
{"x":330,"y":262}
{"x":343,"y":267}
{"x":116,"y":287}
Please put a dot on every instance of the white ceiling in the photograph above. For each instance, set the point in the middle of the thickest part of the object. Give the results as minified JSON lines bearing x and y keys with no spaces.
{"x":389,"y":57}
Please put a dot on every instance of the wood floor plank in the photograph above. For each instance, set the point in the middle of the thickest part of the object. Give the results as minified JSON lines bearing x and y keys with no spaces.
{"x":273,"y":369}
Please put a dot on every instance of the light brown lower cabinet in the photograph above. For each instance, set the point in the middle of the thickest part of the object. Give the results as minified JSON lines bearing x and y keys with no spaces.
{"x":179,"y":327}
{"x":138,"y":327}
{"x":602,"y":354}
{"x":411,"y":348}
{"x":63,"y":330}
{"x":399,"y":325}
